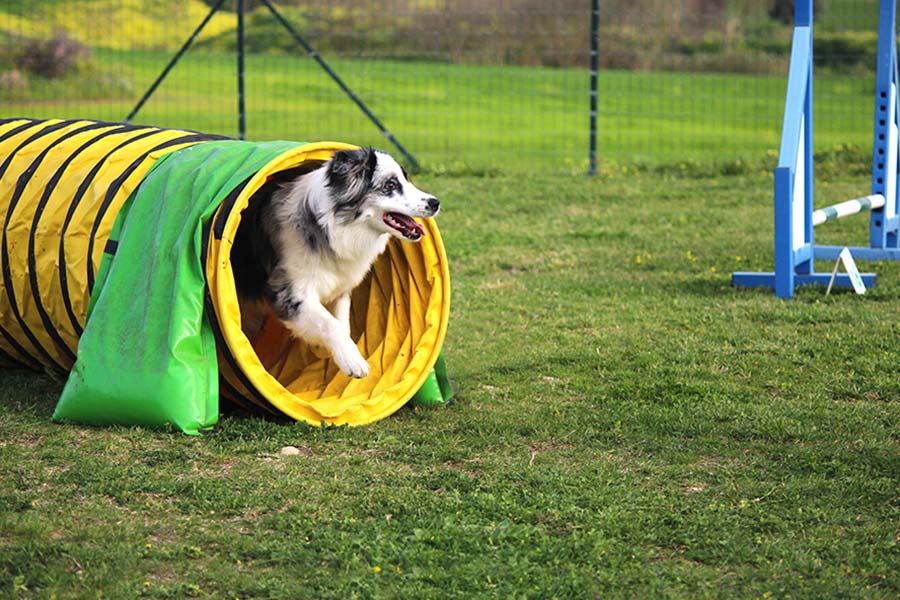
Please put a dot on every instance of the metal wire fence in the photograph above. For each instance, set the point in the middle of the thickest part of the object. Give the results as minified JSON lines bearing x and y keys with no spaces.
{"x":466,"y":85}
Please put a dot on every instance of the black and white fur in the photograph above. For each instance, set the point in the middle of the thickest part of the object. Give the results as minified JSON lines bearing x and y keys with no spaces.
{"x":310,"y":236}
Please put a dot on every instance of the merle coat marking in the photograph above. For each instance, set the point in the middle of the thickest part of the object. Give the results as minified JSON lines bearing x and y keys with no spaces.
{"x":310,"y":235}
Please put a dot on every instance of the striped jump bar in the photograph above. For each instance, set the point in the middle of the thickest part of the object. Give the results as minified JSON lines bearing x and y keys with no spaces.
{"x":845,"y":209}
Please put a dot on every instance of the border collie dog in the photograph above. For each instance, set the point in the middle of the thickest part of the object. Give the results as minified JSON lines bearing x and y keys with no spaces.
{"x":310,"y":235}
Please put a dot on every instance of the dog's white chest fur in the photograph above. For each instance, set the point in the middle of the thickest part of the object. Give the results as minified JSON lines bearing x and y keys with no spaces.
{"x":328,"y":275}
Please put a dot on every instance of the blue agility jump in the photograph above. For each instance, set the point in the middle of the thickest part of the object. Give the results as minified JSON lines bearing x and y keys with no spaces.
{"x":795,"y":218}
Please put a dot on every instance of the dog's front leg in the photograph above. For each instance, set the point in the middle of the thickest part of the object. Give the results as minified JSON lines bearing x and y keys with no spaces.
{"x":340,"y":308}
{"x":312,"y":322}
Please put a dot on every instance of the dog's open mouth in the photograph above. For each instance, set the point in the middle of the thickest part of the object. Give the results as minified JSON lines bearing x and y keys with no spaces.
{"x":408,"y":228}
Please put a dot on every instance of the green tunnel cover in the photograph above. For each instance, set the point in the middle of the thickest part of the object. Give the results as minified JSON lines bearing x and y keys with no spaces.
{"x":148,"y":355}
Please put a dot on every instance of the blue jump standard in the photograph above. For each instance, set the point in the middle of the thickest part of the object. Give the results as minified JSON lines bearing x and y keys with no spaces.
{"x":795,"y":250}
{"x":750,"y":280}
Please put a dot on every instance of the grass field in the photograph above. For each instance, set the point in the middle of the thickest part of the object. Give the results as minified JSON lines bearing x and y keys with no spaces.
{"x":626,"y":425}
{"x":465,"y":118}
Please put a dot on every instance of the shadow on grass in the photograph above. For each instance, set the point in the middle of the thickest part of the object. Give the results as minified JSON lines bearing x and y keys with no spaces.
{"x":699,"y":286}
{"x":815,"y":294}
{"x":35,"y":395}
{"x":805,"y":294}
{"x":29,"y":391}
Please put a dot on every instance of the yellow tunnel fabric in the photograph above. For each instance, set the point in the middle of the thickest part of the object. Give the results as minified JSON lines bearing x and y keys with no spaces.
{"x":399,"y":314}
{"x":62,"y":184}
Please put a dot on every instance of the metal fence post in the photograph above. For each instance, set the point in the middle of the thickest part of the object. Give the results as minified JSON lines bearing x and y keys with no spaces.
{"x":595,"y":55}
{"x":242,"y":115}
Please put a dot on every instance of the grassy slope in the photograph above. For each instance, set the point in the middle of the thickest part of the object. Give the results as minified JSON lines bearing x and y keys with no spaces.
{"x":482,"y":117}
{"x":625,"y":427}
{"x":448,"y":115}
{"x":123,"y":24}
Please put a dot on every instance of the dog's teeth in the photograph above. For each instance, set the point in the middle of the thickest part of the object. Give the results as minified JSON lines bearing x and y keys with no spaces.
{"x":407,"y":227}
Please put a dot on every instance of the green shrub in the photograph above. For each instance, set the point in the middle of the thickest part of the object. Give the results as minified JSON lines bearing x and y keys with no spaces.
{"x":59,"y":65}
{"x":52,"y":57}
{"x":846,"y":49}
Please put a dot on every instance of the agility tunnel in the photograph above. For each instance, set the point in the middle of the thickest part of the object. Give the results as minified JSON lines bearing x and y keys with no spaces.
{"x":116,"y":269}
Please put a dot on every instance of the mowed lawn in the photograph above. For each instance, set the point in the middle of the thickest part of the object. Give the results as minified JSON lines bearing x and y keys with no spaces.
{"x":626,"y":425}
{"x":466,"y":118}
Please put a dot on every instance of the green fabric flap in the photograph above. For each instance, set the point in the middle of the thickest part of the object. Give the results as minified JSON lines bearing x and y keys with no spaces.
{"x":436,"y":389}
{"x":147,"y":356}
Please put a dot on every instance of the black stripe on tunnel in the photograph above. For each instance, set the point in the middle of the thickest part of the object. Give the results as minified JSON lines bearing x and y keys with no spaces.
{"x":117,"y":183}
{"x":4,"y":249}
{"x":26,"y":359}
{"x":258,"y":398}
{"x":38,"y":212}
{"x":271,"y":182}
{"x":15,"y":362}
{"x":73,"y":206}
{"x":115,"y":128}
{"x":16,"y":130}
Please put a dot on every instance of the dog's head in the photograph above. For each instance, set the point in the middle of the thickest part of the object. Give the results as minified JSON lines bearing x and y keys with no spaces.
{"x":369,"y":186}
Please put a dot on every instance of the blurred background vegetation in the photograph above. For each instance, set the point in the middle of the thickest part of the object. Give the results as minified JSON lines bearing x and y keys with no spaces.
{"x":687,"y":35}
{"x":57,"y":54}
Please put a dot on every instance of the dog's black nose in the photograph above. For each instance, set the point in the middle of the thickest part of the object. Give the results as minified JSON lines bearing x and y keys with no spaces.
{"x":433,"y":204}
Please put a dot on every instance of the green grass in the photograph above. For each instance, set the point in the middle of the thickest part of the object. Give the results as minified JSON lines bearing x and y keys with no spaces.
{"x":123,"y":24}
{"x":474,"y":118}
{"x":626,"y":425}
{"x":456,"y":118}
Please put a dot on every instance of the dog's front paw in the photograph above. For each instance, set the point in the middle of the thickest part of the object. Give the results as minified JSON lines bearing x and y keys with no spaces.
{"x":351,"y":362}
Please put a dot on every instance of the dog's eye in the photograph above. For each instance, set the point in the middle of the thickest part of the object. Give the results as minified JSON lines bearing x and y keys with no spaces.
{"x":391,"y":185}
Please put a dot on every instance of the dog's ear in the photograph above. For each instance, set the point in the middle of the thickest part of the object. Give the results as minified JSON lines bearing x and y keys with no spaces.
{"x":352,"y":164}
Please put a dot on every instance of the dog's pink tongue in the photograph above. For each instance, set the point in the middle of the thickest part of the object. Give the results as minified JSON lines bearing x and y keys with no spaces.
{"x":405,"y":225}
{"x":419,"y":229}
